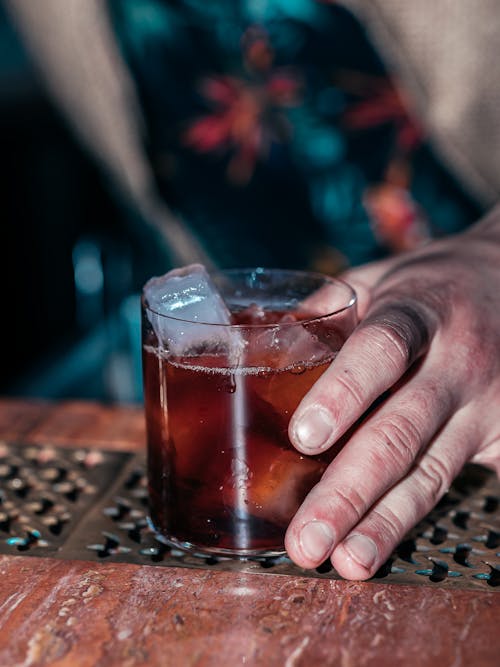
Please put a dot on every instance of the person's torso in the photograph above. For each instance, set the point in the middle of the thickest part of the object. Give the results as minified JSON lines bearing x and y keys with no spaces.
{"x":277,"y":134}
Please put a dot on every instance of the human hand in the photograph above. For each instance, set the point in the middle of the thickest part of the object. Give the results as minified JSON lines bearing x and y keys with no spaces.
{"x":430,"y":332}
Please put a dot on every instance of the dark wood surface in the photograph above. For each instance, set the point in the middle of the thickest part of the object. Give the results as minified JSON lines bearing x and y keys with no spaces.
{"x":77,"y":613}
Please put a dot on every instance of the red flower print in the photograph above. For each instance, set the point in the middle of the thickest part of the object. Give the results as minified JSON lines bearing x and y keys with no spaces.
{"x":397,"y":220}
{"x":246,"y":113}
{"x":381,"y":102}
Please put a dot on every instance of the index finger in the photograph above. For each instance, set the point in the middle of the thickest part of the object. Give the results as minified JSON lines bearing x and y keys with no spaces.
{"x":372,"y":360}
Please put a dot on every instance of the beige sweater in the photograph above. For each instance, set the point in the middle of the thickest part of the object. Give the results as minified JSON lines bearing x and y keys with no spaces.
{"x":447,"y":54}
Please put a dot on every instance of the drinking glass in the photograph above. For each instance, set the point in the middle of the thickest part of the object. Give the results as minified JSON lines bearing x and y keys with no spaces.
{"x":223,"y":477}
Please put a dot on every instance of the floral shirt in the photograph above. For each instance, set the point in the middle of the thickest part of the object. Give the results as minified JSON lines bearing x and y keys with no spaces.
{"x":276,"y":133}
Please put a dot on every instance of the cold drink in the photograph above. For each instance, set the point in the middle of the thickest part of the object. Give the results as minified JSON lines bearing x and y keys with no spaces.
{"x":223,"y":475}
{"x":222,"y":472}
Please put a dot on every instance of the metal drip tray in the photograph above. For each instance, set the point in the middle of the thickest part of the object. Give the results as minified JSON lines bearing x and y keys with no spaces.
{"x":92,"y":505}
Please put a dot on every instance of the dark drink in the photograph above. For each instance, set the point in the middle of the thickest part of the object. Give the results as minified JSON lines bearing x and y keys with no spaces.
{"x":223,"y":475}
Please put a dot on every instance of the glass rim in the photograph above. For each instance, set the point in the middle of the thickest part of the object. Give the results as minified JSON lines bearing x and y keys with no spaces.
{"x":352,"y":300}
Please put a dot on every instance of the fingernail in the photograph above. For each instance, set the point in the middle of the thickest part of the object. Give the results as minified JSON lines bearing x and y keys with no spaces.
{"x":314,"y":429}
{"x":316,"y":540}
{"x":361,"y":549}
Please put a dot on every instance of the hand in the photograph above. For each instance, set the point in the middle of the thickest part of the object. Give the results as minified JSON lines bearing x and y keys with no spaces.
{"x":429,"y":332}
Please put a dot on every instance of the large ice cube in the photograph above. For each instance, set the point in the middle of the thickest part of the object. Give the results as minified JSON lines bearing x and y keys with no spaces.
{"x":187,"y":293}
{"x":183,"y":305}
{"x":279,"y":485}
{"x":270,"y":487}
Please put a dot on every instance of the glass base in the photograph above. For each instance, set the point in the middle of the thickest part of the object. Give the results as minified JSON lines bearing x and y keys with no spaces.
{"x":201,"y":551}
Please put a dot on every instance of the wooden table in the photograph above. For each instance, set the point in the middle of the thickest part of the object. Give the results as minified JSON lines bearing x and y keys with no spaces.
{"x":77,"y":613}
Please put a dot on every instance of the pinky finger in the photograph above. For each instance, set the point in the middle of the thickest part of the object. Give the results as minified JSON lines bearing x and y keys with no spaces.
{"x":365,"y":549}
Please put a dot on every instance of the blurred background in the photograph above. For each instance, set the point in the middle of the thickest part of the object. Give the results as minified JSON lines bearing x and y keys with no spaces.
{"x":67,"y":264}
{"x":279,"y":135}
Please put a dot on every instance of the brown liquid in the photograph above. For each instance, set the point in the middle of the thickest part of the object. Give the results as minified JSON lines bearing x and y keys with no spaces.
{"x":222,"y":472}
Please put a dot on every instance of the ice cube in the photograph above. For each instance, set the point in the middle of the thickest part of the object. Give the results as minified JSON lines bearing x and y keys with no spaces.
{"x":183,"y":305}
{"x":279,"y":484}
{"x":288,"y":344}
{"x":187,"y":293}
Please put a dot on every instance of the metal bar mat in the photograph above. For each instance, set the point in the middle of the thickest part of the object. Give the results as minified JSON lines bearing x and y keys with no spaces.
{"x":92,"y":505}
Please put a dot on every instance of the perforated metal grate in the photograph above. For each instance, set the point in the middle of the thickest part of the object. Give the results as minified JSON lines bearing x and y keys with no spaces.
{"x":92,"y":505}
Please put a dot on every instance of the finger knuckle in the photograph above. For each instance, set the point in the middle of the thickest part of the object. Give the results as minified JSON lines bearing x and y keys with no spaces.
{"x":476,"y":358}
{"x":396,"y":443}
{"x":402,"y":330}
{"x":397,"y":344}
{"x":381,"y":342}
{"x":435,"y":397}
{"x":348,"y":503}
{"x":352,"y":388}
{"x":435,"y":476}
{"x":387,"y":525}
